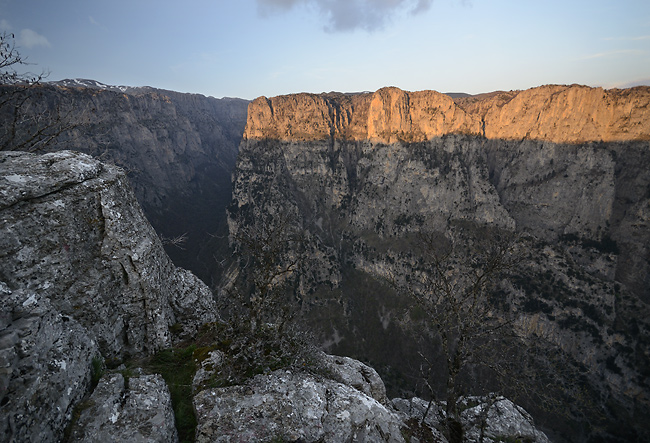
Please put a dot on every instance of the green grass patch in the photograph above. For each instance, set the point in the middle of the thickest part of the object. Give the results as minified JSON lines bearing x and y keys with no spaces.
{"x":177,"y":368}
{"x":96,"y":370}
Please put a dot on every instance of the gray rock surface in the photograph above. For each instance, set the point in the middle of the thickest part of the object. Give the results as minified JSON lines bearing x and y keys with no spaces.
{"x":83,"y":275}
{"x":355,"y":374}
{"x":139,"y":410}
{"x":294,"y":407}
{"x":45,"y":366}
{"x":501,"y":419}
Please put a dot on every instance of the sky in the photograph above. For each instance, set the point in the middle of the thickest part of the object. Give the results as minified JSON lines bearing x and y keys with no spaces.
{"x":250,"y":48}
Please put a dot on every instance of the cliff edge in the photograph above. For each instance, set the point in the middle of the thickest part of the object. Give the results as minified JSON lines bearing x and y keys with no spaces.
{"x":83,"y":277}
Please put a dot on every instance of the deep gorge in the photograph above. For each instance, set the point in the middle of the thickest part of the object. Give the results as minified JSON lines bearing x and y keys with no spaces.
{"x":566,"y":167}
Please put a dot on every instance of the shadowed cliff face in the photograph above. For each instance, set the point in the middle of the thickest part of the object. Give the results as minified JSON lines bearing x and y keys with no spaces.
{"x":568,"y":166}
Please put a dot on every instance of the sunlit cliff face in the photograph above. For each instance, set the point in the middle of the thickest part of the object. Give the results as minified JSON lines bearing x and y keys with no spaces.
{"x":558,"y":114}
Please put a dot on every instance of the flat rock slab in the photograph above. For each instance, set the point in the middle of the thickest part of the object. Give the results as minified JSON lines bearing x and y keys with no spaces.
{"x":293,"y":407}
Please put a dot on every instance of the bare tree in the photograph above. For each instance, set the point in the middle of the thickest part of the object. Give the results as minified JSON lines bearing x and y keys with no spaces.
{"x":10,"y":59}
{"x":28,"y":122}
{"x":453,"y":282}
{"x":259,"y":326}
{"x":269,"y":251}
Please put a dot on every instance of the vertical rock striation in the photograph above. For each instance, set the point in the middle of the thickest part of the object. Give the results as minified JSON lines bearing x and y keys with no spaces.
{"x":84,"y":276}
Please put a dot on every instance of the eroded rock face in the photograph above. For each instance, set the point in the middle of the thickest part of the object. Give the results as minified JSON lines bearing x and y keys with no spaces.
{"x":83,"y":276}
{"x":116,"y":411}
{"x":294,"y":407}
{"x":73,"y":232}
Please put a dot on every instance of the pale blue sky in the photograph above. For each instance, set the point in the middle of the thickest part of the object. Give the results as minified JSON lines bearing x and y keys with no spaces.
{"x":248,"y":48}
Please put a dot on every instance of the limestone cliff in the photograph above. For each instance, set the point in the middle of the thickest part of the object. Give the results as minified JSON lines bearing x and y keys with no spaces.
{"x":566,"y":165}
{"x":559,"y":114}
{"x":565,"y":114}
{"x":83,"y":275}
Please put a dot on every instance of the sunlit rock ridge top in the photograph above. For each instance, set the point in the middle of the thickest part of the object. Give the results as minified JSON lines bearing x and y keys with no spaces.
{"x":559,"y":114}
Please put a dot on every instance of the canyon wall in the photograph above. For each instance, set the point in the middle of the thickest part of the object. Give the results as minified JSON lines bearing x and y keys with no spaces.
{"x":559,"y":114}
{"x":566,"y":165}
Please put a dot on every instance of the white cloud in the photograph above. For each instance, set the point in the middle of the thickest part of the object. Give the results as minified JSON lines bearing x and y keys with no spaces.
{"x":348,"y":15}
{"x":30,"y":39}
{"x":5,"y":26}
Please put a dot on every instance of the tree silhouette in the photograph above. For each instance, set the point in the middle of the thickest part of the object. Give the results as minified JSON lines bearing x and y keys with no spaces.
{"x":28,"y":122}
{"x":453,"y":282}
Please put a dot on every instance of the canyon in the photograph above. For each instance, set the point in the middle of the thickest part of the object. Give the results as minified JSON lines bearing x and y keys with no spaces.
{"x":565,"y":168}
{"x":179,"y":151}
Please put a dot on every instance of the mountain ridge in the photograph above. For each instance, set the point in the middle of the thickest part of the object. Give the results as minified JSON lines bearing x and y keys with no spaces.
{"x":560,"y":114}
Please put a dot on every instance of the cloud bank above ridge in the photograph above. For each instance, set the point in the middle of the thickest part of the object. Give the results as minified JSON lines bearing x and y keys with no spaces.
{"x":350,"y":15}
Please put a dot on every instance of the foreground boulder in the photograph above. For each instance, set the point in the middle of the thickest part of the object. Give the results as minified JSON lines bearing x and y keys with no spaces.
{"x":140,"y":410}
{"x":84,"y":277}
{"x":293,"y":407}
{"x":342,"y":400}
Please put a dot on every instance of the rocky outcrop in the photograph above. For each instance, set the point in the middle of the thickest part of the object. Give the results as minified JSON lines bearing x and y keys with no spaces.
{"x":140,"y":410}
{"x":487,"y":419}
{"x":73,"y":231}
{"x":84,"y":276}
{"x":355,"y":374}
{"x":566,"y":166}
{"x":343,"y":400}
